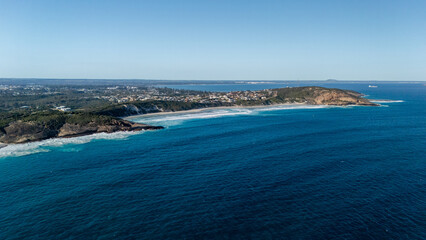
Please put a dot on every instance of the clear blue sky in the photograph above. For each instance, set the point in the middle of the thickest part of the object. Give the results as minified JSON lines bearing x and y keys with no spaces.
{"x":202,"y":39}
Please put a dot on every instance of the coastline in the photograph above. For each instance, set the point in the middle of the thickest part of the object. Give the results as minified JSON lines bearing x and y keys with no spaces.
{"x":74,"y":131}
{"x":109,"y":120}
{"x":129,"y":118}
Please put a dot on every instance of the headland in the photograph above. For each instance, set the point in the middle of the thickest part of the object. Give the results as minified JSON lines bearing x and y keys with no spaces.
{"x":35,"y":124}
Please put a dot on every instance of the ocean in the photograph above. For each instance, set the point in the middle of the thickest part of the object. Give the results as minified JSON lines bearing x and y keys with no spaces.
{"x":282,"y":172}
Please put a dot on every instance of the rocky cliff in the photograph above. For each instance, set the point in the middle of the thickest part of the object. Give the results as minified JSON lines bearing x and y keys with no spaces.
{"x":322,"y":96}
{"x":49,"y":124}
{"x":21,"y":132}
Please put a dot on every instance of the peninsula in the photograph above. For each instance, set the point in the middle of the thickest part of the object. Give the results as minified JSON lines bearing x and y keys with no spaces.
{"x":35,"y":113}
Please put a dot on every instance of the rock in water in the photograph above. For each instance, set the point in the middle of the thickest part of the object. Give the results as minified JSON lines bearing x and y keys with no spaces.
{"x":21,"y":132}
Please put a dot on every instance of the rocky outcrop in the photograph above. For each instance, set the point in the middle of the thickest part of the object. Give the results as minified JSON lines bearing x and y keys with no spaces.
{"x":72,"y":130}
{"x":322,"y":96}
{"x":39,"y":126}
{"x":131,"y":109}
{"x":340,"y":97}
{"x":21,"y":132}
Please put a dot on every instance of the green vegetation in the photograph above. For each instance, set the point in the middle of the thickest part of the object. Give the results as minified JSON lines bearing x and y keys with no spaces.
{"x":101,"y":105}
{"x":150,"y":106}
{"x":72,"y":99}
{"x":52,"y":119}
{"x":8,"y":117}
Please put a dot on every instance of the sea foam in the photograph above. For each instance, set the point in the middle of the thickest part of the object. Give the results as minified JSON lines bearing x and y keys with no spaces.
{"x":15,"y":150}
{"x":386,"y":101}
{"x":291,"y":107}
{"x":179,"y":117}
{"x":201,"y":115}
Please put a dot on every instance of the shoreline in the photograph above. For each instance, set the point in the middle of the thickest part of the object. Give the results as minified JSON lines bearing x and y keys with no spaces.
{"x":3,"y":145}
{"x":196,"y":110}
{"x":35,"y":129}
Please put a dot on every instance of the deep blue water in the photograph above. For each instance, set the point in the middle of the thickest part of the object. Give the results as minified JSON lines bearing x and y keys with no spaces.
{"x":283,"y":173}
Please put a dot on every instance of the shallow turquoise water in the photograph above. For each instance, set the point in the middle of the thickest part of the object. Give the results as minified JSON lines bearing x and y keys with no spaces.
{"x":289,"y":172}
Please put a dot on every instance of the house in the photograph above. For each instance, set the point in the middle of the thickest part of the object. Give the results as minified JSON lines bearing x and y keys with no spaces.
{"x":63,"y":109}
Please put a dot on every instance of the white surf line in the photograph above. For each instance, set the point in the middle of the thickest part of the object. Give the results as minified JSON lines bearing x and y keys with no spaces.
{"x":22,"y":149}
{"x":199,"y":115}
{"x":386,"y":101}
{"x":213,"y":108}
{"x":216,"y":113}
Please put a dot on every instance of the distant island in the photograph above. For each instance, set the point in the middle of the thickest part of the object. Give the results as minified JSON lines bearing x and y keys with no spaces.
{"x":34,"y":113}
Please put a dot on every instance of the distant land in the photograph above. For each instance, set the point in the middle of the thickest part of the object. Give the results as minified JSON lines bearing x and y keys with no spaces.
{"x":33,"y":112}
{"x":156,"y":82}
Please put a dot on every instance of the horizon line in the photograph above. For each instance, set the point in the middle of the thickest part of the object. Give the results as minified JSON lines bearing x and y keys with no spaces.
{"x":245,"y":80}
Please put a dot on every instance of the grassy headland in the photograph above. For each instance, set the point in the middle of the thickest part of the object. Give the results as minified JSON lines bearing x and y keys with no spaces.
{"x":37,"y":122}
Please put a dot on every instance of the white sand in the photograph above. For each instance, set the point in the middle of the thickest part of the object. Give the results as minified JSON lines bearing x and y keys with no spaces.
{"x":212,"y":108}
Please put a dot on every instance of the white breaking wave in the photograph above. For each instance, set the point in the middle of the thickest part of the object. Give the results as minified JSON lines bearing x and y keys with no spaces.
{"x":15,"y":150}
{"x":177,"y":118}
{"x":386,"y":101}
{"x":200,"y":115}
{"x":291,"y":107}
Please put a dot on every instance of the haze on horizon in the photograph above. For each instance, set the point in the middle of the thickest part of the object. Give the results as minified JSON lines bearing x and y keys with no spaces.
{"x":214,"y":40}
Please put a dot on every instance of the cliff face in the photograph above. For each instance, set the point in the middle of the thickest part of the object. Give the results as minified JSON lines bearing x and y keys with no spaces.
{"x":340,"y":97}
{"x":71,"y":130}
{"x":153,"y":106}
{"x":309,"y":95}
{"x":322,"y":96}
{"x":21,"y":132}
{"x":44,"y":125}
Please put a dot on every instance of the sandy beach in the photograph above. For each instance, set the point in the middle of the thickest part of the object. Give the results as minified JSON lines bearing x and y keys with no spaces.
{"x":212,"y":108}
